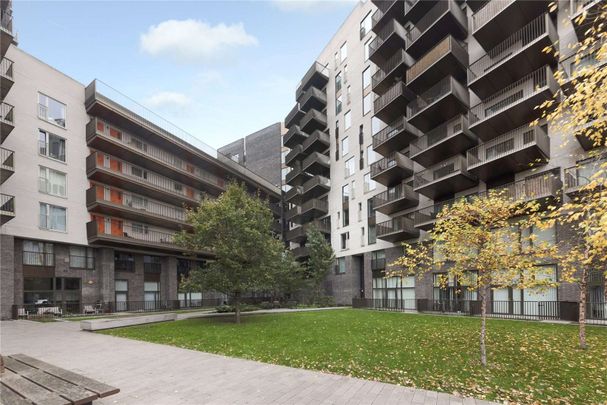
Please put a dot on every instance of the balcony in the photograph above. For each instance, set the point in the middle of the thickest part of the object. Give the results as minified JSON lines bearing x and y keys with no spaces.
{"x":396,"y":136}
{"x":293,"y":137}
{"x":104,"y":137}
{"x":448,"y":58}
{"x":300,"y":234}
{"x":392,"y":169}
{"x":316,"y":187}
{"x":497,"y":18}
{"x":6,"y":77}
{"x":309,"y":210}
{"x":118,"y":203}
{"x":576,"y":68}
{"x":317,"y":164}
{"x":512,"y":106}
{"x":416,"y":9}
{"x":300,"y":252}
{"x":512,"y":152}
{"x":318,"y":141}
{"x":592,"y":135}
{"x":7,"y":123}
{"x":395,"y":199}
{"x":112,"y":171}
{"x":7,"y":164}
{"x":476,"y":5}
{"x":390,"y":72}
{"x":294,"y":116}
{"x":294,"y":154}
{"x":438,"y":104}
{"x":313,"y":98}
{"x":542,"y":187}
{"x":591,"y":7}
{"x":388,"y":40}
{"x":392,"y":103}
{"x":317,"y":76}
{"x":313,"y":120}
{"x":448,"y":177}
{"x":294,"y":195}
{"x":445,"y":18}
{"x":7,"y":208}
{"x":6,"y":29}
{"x":297,"y":177}
{"x":386,"y":11}
{"x":582,"y":174}
{"x":425,"y":218}
{"x":452,"y":137}
{"x":519,"y":54}
{"x":397,"y":229}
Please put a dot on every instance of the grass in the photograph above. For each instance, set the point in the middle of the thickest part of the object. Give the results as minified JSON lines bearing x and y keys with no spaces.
{"x":529,"y":362}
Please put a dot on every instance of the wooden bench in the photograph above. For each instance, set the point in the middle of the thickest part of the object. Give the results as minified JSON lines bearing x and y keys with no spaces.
{"x":29,"y":381}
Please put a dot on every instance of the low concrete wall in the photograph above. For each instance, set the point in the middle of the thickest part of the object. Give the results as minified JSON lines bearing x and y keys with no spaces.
{"x":100,"y":324}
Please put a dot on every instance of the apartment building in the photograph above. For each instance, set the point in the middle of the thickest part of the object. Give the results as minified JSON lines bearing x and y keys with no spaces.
{"x":98,"y":188}
{"x":421,"y":102}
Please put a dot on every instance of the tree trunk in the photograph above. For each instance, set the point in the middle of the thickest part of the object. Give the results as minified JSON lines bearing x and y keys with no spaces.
{"x":237,"y":307}
{"x":582,"y":307}
{"x":483,"y":295}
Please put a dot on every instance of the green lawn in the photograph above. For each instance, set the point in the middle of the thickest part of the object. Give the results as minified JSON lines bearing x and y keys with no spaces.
{"x":529,"y":361}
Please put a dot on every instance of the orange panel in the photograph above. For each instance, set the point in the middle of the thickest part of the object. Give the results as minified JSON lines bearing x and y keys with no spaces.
{"x":100,"y":159}
{"x":115,"y":133}
{"x":100,"y":193}
{"x":116,"y":227}
{"x":189,"y":192}
{"x":116,"y":196}
{"x":99,"y":220}
{"x":189,"y":168}
{"x":115,"y":165}
{"x":100,"y":126}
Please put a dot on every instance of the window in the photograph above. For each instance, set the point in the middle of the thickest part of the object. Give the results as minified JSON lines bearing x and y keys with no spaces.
{"x":341,"y":265}
{"x":124,"y":262}
{"x":52,"y":182}
{"x":345,"y":240}
{"x":397,"y":291}
{"x":345,"y":146}
{"x":538,"y":236}
{"x":348,"y":120}
{"x":121,"y":289}
{"x":336,"y":140}
{"x":370,"y":208}
{"x":152,"y":264}
{"x":336,"y":57}
{"x":353,"y":189}
{"x":360,"y":211}
{"x":372,"y":157}
{"x":338,"y":218}
{"x":51,"y":110}
{"x":343,"y":52}
{"x":367,"y":104}
{"x":375,"y":125}
{"x":378,"y":260}
{"x":51,"y":145}
{"x":362,"y":236}
{"x":365,"y":25}
{"x":448,"y":288}
{"x":346,"y":216}
{"x":338,"y":104}
{"x":367,"y":49}
{"x":372,"y":235}
{"x":348,"y":94}
{"x":349,"y":167}
{"x":81,"y":257}
{"x":52,"y":217}
{"x":369,"y":184}
{"x":338,"y":82}
{"x":366,"y":77}
{"x":139,"y":228}
{"x":139,"y":172}
{"x":345,"y":194}
{"x":38,"y":253}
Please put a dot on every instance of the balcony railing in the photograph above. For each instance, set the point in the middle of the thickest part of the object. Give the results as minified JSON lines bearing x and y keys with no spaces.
{"x":6,"y":20}
{"x":316,"y":181}
{"x":574,"y":66}
{"x":316,"y":158}
{"x":431,"y":18}
{"x":430,"y":96}
{"x":398,"y":90}
{"x":510,"y":46}
{"x":319,"y":137}
{"x":488,"y":12}
{"x":508,"y":144}
{"x":391,"y":130}
{"x":388,"y":66}
{"x":401,"y":224}
{"x":6,"y":68}
{"x":505,"y":98}
{"x":7,"y":204}
{"x":443,"y":48}
{"x":313,"y":120}
{"x":454,"y":126}
{"x":392,"y":160}
{"x":131,"y":233}
{"x":393,"y":194}
{"x":6,"y":113}
{"x":456,"y":164}
{"x":392,"y":28}
{"x":531,"y":188}
{"x":7,"y":159}
{"x":583,"y":173}
{"x":291,"y":116}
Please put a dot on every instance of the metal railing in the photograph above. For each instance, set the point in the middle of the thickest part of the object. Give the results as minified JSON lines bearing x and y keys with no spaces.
{"x":137,"y":202}
{"x":510,"y":95}
{"x":293,"y":131}
{"x":139,"y":233}
{"x":314,"y":115}
{"x":316,"y":181}
{"x":430,"y":18}
{"x":6,"y":113}
{"x":38,"y":259}
{"x":293,"y":192}
{"x":385,"y":304}
{"x":392,"y":130}
{"x":300,"y":251}
{"x":392,"y":194}
{"x":583,"y":173}
{"x":313,"y":92}
{"x":452,"y":127}
{"x":6,"y":20}
{"x":514,"y":43}
{"x":316,"y":68}
{"x":572,"y":66}
{"x":293,"y":153}
{"x":100,"y":127}
{"x":7,"y":159}
{"x":7,"y":204}
{"x":489,"y":11}
{"x":397,"y":224}
{"x":444,"y":47}
{"x":530,"y":188}
{"x":6,"y":68}
{"x":507,"y":144}
{"x":393,"y":159}
{"x":433,"y":94}
{"x":388,"y":66}
{"x":394,"y":92}
{"x":156,"y":180}
{"x":455,"y":164}
{"x":316,"y":136}
{"x":392,"y":28}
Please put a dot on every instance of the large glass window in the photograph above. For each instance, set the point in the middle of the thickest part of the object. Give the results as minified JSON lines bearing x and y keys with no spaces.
{"x":372,"y":234}
{"x":338,"y":104}
{"x":367,"y":49}
{"x":345,"y":240}
{"x":349,"y":167}
{"x":51,"y":145}
{"x":52,"y":182}
{"x":345,"y":146}
{"x":343,"y":52}
{"x":82,"y":257}
{"x":152,"y":264}
{"x":365,"y":25}
{"x":151,"y":293}
{"x":124,"y":262}
{"x":347,"y":120}
{"x":38,"y":253}
{"x":121,"y":288}
{"x":538,"y":236}
{"x":53,"y":217}
{"x":366,"y":77}
{"x":367,"y":103}
{"x":51,"y":110}
{"x":370,"y":184}
{"x":397,"y":292}
{"x":338,"y":82}
{"x":345,"y":193}
{"x":341,"y":265}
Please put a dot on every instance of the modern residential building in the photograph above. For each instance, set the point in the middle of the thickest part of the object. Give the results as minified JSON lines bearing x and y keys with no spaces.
{"x":96,"y":187}
{"x":413,"y":104}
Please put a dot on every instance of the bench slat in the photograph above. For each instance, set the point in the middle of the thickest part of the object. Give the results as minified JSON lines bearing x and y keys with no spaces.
{"x":28,"y":389}
{"x":74,"y":393}
{"x":9,"y":397}
{"x":101,"y":389}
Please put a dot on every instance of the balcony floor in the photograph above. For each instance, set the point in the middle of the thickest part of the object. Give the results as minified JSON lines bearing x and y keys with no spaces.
{"x":515,"y":162}
{"x":447,"y":23}
{"x":447,"y":185}
{"x":440,"y":111}
{"x":399,"y":235}
{"x":445,"y":148}
{"x":399,"y":140}
{"x":146,"y":217}
{"x":397,"y":205}
{"x":447,"y":65}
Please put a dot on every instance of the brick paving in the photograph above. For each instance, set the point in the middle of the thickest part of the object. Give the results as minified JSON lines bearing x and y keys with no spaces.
{"x":150,"y":374}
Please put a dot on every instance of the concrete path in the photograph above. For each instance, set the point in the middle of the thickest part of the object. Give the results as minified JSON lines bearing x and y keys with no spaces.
{"x":151,"y":374}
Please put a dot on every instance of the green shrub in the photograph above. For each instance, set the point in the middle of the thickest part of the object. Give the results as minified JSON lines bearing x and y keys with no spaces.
{"x":224,"y":308}
{"x":325,"y":301}
{"x":266,"y":305}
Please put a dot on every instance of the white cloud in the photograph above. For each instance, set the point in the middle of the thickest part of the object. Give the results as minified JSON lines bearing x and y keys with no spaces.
{"x":311,"y":5}
{"x":168,"y":99}
{"x":193,"y":41}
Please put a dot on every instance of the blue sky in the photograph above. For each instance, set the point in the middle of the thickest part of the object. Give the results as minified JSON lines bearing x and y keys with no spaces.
{"x":218,"y":69}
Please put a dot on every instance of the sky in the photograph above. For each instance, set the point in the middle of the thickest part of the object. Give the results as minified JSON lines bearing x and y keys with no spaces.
{"x":218,"y":69}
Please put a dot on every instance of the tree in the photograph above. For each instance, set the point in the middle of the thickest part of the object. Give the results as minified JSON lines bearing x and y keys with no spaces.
{"x":320,"y":261}
{"x":236,"y":229}
{"x":284,"y":277}
{"x":580,"y":110}
{"x":479,"y":241}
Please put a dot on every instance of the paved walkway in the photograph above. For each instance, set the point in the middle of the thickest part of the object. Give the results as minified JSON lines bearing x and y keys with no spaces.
{"x":151,"y":374}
